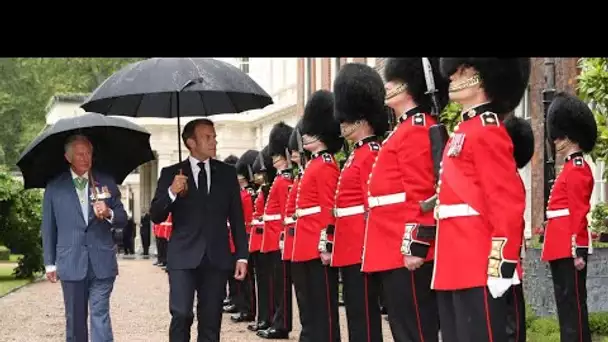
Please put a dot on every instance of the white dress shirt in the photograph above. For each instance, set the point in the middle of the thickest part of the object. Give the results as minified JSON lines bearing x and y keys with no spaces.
{"x":195,"y":171}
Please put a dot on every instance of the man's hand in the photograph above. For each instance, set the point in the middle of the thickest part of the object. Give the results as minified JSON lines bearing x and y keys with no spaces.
{"x":179,"y":184}
{"x":240,"y":270}
{"x":325,"y":258}
{"x":101,"y":210}
{"x":579,"y":263}
{"x":412,"y":262}
{"x":52,"y":276}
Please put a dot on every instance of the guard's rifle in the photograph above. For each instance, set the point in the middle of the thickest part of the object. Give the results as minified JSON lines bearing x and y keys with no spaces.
{"x":438,"y":133}
{"x":549,"y":148}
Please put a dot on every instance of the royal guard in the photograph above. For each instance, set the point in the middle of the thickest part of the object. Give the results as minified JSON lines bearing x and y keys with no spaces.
{"x":315,"y":282}
{"x":567,"y":243}
{"x":246,"y":298}
{"x":481,"y":200}
{"x":233,"y":284}
{"x":162,"y":233}
{"x":359,"y":107}
{"x":522,"y":136}
{"x":400,"y":230}
{"x":264,"y":174}
{"x":274,"y":211}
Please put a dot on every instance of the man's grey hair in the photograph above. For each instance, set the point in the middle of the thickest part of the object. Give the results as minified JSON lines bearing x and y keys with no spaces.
{"x":73,"y":139}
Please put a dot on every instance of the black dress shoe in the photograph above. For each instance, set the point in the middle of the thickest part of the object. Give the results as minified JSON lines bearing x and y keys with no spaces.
{"x":258,"y":326}
{"x":273,"y":334}
{"x":242,"y":317}
{"x":231,"y":308}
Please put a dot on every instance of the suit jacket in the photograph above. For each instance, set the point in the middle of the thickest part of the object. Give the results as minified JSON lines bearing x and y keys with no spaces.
{"x":68,"y":241}
{"x":199,"y":222}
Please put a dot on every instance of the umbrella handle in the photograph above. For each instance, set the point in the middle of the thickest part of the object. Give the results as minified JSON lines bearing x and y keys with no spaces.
{"x":185,"y":191}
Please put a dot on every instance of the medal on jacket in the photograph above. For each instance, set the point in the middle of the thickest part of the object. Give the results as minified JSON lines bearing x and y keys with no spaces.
{"x":456,"y":145}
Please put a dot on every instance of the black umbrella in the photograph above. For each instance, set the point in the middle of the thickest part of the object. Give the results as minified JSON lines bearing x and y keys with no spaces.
{"x":177,"y":87}
{"x":119,"y":146}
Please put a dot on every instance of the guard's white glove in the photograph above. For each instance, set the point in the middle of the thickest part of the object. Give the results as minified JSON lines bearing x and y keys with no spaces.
{"x":322,"y":241}
{"x":498,"y":286}
{"x":282,"y":241}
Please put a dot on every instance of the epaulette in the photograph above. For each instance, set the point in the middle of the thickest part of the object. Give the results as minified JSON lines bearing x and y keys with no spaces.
{"x":578,"y":161}
{"x":327,"y":158}
{"x":419,"y":119}
{"x":489,"y":119}
{"x":374,"y":146}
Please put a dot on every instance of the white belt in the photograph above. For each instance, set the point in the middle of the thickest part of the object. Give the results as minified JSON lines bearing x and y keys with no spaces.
{"x":349,"y":211}
{"x":308,"y":211}
{"x":289,"y":220}
{"x":255,"y":222}
{"x":275,"y":217}
{"x":445,"y":211}
{"x":386,"y":200}
{"x":557,"y":213}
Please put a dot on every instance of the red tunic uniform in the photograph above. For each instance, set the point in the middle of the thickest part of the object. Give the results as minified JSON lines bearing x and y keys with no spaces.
{"x":289,"y":221}
{"x":257,"y":223}
{"x":567,"y":210}
{"x":247,"y":205}
{"x":274,"y":211}
{"x":351,"y":204}
{"x":401,"y":177}
{"x":314,"y":203}
{"x":480,"y":206}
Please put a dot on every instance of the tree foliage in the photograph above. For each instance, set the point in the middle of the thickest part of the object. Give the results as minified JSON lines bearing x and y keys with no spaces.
{"x":593,"y":88}
{"x":26,"y":86}
{"x":20,"y":219}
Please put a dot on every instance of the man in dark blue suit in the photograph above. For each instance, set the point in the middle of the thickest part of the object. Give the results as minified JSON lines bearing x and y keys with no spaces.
{"x":201,"y":193}
{"x":77,"y":241}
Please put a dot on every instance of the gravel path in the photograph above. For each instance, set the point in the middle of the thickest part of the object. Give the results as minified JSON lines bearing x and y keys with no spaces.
{"x":139,"y":311}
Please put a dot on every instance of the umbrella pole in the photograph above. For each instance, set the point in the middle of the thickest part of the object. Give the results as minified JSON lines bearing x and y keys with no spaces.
{"x":179,"y":142}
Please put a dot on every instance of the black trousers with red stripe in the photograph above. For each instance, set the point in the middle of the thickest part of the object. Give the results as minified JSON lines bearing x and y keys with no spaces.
{"x":516,"y":314}
{"x":265,"y":281}
{"x":246,"y":298}
{"x":570,"y":286}
{"x":472,"y":315}
{"x":411,"y":304}
{"x":316,"y":288}
{"x":283,"y":294}
{"x":361,"y":293}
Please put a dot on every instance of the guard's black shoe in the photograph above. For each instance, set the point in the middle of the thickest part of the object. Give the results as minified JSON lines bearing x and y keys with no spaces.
{"x":273,"y":334}
{"x":258,"y":326}
{"x":231,"y":308}
{"x":242,"y":317}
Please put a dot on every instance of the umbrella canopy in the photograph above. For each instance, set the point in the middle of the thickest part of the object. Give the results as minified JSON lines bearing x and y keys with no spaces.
{"x":164,"y":87}
{"x":119,"y":146}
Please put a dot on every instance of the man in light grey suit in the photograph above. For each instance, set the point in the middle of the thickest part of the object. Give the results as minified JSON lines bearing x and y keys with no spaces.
{"x":77,"y":241}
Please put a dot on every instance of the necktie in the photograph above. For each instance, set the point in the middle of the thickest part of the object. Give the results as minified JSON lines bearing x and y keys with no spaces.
{"x":202,"y":179}
{"x":80,"y":183}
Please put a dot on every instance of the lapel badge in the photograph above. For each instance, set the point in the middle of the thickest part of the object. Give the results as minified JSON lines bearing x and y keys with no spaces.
{"x":455,"y":145}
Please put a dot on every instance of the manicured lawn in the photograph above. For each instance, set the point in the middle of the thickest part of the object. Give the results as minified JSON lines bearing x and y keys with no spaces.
{"x":7,"y":280}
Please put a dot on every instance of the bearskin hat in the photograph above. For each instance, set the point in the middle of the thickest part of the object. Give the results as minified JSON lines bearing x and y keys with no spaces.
{"x":231,"y":159}
{"x":279,"y":139}
{"x":521,"y":134}
{"x":245,"y":163}
{"x":411,"y":72}
{"x":318,"y":120}
{"x":359,"y":95}
{"x":267,"y":160}
{"x":570,"y":117}
{"x":503,"y":79}
{"x":293,"y":138}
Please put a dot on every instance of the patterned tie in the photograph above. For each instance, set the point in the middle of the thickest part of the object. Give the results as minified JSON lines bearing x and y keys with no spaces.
{"x":80,"y":183}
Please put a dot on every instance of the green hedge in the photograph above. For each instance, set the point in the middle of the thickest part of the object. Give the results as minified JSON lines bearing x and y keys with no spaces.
{"x":546,"y":329}
{"x":5,"y":253}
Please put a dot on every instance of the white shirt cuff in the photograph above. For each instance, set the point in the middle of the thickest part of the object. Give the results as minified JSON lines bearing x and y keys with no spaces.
{"x":242,"y":260}
{"x":171,"y":195}
{"x":50,"y":268}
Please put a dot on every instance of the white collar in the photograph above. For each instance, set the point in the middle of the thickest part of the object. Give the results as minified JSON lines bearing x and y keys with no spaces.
{"x":194,"y":162}
{"x":74,"y":175}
